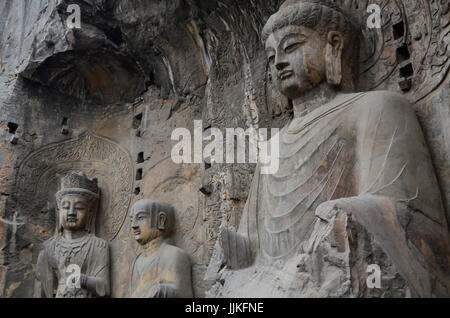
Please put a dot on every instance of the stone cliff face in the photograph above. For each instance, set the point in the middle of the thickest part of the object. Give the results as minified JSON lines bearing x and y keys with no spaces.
{"x":136,"y":70}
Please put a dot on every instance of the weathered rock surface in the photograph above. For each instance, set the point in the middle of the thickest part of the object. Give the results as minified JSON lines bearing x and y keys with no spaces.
{"x":138,"y":69}
{"x":332,"y":263}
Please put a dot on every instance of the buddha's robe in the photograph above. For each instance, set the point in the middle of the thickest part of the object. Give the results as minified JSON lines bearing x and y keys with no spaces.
{"x":363,"y":154}
{"x":163,"y":273}
{"x":89,"y":252}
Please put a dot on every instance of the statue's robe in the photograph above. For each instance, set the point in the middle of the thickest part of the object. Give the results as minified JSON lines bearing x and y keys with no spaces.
{"x":164,"y":273}
{"x":367,"y":151}
{"x":89,"y":252}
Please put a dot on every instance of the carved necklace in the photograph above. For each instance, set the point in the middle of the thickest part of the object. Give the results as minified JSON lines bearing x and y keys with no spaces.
{"x":68,"y":250}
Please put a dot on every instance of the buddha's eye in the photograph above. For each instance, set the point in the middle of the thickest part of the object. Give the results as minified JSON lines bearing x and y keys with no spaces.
{"x":292,"y":47}
{"x":80,"y":207}
{"x":271,"y":59}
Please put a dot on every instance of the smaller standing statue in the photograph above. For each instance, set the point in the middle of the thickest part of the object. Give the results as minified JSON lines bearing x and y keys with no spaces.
{"x":161,"y":270}
{"x":74,"y":262}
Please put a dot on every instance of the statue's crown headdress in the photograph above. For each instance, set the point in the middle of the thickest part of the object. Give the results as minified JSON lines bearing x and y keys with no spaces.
{"x":78,"y":183}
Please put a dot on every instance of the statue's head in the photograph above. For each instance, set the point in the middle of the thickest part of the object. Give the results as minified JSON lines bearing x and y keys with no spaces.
{"x":77,"y":202}
{"x":309,"y":42}
{"x":151,"y":219}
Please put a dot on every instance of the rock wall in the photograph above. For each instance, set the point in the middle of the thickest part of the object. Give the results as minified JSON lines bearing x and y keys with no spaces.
{"x":105,"y":99}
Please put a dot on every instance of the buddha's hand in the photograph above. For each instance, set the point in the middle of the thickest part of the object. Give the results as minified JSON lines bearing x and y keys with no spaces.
{"x":83,"y":280}
{"x":358,"y":207}
{"x":330,"y":227}
{"x":163,"y":290}
{"x":94,"y":284}
{"x":328,"y":210}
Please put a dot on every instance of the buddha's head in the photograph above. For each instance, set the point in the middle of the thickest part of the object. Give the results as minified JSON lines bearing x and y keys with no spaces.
{"x":150,"y":220}
{"x":309,"y":42}
{"x":77,"y":202}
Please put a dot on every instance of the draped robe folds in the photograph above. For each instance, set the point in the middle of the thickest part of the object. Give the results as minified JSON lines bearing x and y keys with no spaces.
{"x":165,"y":273}
{"x":366,"y":153}
{"x":89,"y":252}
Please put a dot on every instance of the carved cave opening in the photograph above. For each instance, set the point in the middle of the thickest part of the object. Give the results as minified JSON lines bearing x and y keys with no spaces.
{"x":407,"y":71}
{"x":205,"y":61}
{"x":398,"y":30}
{"x":100,"y":77}
{"x":403,"y":53}
{"x":12,"y":127}
{"x":140,"y":158}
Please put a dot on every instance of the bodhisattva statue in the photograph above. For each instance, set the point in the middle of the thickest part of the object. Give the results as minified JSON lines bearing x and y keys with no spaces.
{"x":74,"y":262}
{"x":345,"y":157}
{"x":161,"y":270}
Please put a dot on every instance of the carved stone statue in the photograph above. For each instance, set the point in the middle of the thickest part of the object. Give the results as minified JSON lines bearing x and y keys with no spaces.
{"x":74,"y":262}
{"x":161,"y":270}
{"x":355,"y":173}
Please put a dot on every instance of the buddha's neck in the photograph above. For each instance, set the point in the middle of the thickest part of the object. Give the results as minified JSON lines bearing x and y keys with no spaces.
{"x":154,"y":245}
{"x":313,"y":99}
{"x":73,"y":235}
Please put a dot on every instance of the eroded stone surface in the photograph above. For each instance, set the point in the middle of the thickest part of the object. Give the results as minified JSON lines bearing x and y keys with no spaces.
{"x":175,"y":61}
{"x":349,"y":153}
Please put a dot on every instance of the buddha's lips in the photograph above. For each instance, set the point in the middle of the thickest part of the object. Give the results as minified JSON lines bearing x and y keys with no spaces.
{"x":285,"y":74}
{"x":72,"y":219}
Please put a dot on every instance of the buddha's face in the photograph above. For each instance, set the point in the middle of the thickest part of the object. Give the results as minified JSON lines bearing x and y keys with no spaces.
{"x":296,"y":56}
{"x":74,"y":211}
{"x":142,"y":226}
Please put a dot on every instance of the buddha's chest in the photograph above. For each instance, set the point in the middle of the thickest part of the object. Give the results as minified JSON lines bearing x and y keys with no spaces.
{"x":67,"y":254}
{"x":149,"y":271}
{"x":71,"y":260}
{"x":317,"y":164}
{"x":314,"y":159}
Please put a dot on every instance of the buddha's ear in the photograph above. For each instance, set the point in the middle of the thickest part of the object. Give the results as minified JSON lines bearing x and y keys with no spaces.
{"x":162,"y":217}
{"x":333,"y":57}
{"x":59,"y":227}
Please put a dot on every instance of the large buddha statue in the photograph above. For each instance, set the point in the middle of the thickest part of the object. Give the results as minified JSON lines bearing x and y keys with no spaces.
{"x":161,"y":270}
{"x":355,"y":184}
{"x":74,"y":263}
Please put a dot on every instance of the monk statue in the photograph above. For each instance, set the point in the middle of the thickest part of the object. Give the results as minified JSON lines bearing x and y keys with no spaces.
{"x":161,"y":270}
{"x":74,"y":263}
{"x":355,"y":190}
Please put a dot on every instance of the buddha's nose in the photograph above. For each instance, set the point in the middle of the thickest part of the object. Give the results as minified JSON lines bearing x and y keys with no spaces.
{"x":72,"y":211}
{"x":280,"y":62}
{"x":281,"y":65}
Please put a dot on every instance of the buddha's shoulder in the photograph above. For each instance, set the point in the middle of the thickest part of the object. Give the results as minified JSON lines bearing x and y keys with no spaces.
{"x":174,"y":253}
{"x":386,"y":101}
{"x":50,"y":243}
{"x":98,"y":242}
